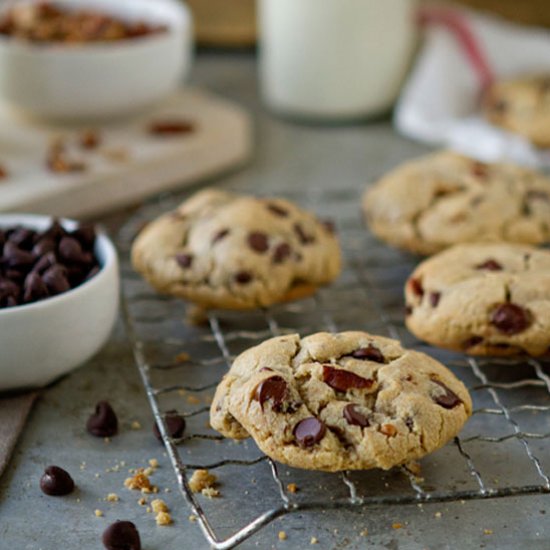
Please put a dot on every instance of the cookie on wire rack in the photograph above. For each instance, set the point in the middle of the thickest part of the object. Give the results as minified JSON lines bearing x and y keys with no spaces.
{"x":228,"y":251}
{"x":483,"y":299}
{"x":521,"y":105}
{"x":442,"y":199}
{"x":340,"y":401}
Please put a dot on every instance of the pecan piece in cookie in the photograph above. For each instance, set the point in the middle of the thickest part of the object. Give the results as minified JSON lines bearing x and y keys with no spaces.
{"x":490,"y":264}
{"x":344,"y":380}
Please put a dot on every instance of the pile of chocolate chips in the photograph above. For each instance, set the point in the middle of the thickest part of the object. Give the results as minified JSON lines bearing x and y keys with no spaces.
{"x":35,"y":265}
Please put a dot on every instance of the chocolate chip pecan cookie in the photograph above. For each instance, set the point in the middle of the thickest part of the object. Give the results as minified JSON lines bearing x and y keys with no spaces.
{"x":445,"y":198}
{"x":340,"y":401}
{"x":483,"y":299}
{"x":222,"y":250}
{"x":521,"y":105}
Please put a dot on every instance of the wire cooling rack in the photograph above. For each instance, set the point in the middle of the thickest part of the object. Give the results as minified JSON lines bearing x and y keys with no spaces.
{"x":504,"y":449}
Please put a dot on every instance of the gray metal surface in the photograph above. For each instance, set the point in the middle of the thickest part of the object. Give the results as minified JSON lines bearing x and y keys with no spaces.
{"x":324,"y":168}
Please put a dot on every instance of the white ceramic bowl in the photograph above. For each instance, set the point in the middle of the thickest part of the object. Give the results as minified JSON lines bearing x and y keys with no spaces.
{"x":100,"y":80}
{"x":45,"y":339}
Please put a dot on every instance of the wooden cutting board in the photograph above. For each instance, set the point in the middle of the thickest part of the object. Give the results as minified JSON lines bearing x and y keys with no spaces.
{"x":129,"y":164}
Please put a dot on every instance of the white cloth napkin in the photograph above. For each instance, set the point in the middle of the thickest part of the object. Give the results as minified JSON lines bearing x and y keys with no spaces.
{"x":440,"y":102}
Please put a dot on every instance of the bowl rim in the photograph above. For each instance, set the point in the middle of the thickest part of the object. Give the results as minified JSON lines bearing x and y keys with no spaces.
{"x":181,"y":24}
{"x":105,"y":245}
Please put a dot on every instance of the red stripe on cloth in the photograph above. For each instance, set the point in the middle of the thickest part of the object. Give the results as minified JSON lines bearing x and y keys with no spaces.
{"x":462,"y":31}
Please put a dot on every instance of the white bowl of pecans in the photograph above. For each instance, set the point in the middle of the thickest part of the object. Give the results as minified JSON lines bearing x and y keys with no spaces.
{"x":59,"y":296}
{"x":78,"y":60}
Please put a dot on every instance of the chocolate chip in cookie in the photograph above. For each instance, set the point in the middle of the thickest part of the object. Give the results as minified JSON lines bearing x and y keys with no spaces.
{"x":510,"y":318}
{"x":309,"y":431}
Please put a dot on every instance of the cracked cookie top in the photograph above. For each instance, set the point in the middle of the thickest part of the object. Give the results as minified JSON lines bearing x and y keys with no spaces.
{"x":340,"y":401}
{"x":521,"y":105}
{"x":222,"y":250}
{"x":443,"y":199}
{"x":484,"y":299}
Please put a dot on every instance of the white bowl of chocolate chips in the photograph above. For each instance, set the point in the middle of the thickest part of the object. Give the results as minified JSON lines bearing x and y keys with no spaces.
{"x":59,"y":296}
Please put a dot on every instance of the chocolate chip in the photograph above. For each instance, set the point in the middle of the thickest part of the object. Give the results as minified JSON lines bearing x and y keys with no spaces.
{"x":243,"y":277}
{"x":55,"y":279}
{"x":34,"y":288}
{"x":258,"y":241}
{"x":43,"y":246}
{"x":44,"y":263}
{"x":473,"y":341}
{"x":9,"y":288}
{"x":15,"y":257}
{"x":281,"y":253}
{"x":184,"y":260}
{"x":434,"y":298}
{"x":354,"y":417}
{"x":175,"y":424}
{"x":449,"y":399}
{"x":121,"y":535}
{"x":309,"y":431}
{"x":343,"y":380}
{"x":55,"y":231}
{"x":277,"y":210}
{"x":510,"y":318}
{"x":85,"y":235}
{"x":490,"y":264}
{"x":22,"y":237}
{"x":416,"y":287}
{"x":89,"y":139}
{"x":272,"y":389}
{"x":103,"y":422}
{"x":408,"y":310}
{"x":369,"y":353}
{"x":56,"y":482}
{"x":70,"y":250}
{"x":220,"y":235}
{"x":302,"y":235}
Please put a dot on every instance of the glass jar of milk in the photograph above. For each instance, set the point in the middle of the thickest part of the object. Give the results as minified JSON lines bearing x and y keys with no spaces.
{"x":334,"y":59}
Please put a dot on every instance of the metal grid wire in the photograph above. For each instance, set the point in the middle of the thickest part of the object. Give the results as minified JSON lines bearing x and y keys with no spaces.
{"x":502,"y":451}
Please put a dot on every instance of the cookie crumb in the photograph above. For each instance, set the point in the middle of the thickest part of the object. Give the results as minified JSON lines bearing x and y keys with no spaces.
{"x":182,"y":357}
{"x":140,"y":482}
{"x":98,"y":514}
{"x":202,"y":479}
{"x":135,"y":425}
{"x":487,"y":531}
{"x":107,"y":440}
{"x":112,"y":497}
{"x":210,"y":492}
{"x":282,"y":535}
{"x":192,"y":518}
{"x":148,"y":509}
{"x":397,"y":525}
{"x":163,"y":519}
{"x":292,"y":488}
{"x":153,"y":462}
{"x":437,"y":514}
{"x":314,"y":540}
{"x":193,"y":400}
{"x":142,"y":501}
{"x":364,"y":533}
{"x":158,"y":505}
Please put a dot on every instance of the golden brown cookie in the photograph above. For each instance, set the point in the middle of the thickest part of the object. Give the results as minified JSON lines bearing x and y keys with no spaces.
{"x":442,"y":199}
{"x":222,"y":250}
{"x":340,"y":401}
{"x":483,"y":299}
